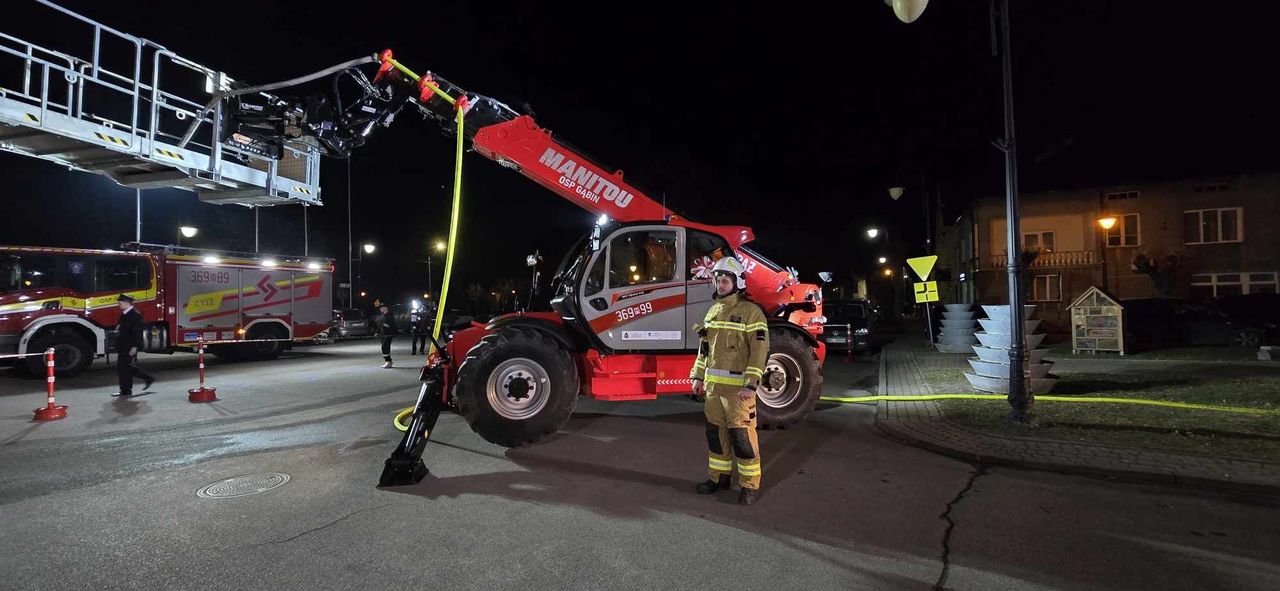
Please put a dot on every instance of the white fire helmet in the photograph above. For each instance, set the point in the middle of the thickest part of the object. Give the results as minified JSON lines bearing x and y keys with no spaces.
{"x":731,"y":266}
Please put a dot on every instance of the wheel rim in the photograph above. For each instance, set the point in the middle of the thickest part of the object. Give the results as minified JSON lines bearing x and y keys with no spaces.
{"x":782,"y":382}
{"x":518,"y":389}
{"x":65,"y":355}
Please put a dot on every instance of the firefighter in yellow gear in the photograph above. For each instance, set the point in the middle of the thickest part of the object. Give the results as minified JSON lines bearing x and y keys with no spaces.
{"x":731,"y":359}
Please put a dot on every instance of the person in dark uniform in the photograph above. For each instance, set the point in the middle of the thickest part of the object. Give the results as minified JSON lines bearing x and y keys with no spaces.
{"x":128,"y":341}
{"x":387,"y":329}
{"x":418,"y":327}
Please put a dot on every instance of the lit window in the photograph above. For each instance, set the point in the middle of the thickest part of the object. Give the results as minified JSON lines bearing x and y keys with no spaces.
{"x":1039,"y":241}
{"x":1126,"y":232}
{"x":1122,"y":195}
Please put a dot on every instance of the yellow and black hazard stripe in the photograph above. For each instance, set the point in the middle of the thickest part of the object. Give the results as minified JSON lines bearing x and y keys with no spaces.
{"x":32,"y":118}
{"x":110,"y":138}
{"x":303,"y":190}
{"x":169,"y":154}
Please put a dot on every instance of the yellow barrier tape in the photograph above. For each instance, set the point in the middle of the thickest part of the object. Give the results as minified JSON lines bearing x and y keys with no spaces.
{"x":1081,"y":399}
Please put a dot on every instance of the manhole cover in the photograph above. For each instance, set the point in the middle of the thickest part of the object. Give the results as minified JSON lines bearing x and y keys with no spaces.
{"x":239,"y":486}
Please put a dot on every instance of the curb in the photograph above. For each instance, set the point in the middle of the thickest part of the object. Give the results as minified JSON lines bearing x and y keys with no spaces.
{"x":1139,"y":476}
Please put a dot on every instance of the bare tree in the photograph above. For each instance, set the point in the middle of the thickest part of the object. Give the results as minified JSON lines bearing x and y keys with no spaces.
{"x":1162,"y":268}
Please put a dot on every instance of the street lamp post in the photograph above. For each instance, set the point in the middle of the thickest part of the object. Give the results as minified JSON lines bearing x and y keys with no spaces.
{"x":1106,"y":223}
{"x":359,"y":260}
{"x":1020,"y":397}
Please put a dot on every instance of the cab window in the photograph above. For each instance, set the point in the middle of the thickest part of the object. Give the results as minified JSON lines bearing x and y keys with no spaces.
{"x":704,"y":250}
{"x":121,"y":274}
{"x":19,"y":272}
{"x":638,"y":258}
{"x":595,"y":277}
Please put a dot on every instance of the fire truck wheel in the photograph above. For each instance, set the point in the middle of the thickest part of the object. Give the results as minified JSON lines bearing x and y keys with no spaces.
{"x":791,"y":384}
{"x":71,"y":354}
{"x":264,"y":349}
{"x":516,"y":387}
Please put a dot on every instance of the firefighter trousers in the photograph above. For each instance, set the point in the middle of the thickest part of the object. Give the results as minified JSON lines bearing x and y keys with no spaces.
{"x":731,"y":438}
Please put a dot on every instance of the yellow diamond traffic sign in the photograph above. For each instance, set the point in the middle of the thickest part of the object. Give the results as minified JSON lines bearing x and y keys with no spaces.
{"x":926,"y":291}
{"x":923,"y":265}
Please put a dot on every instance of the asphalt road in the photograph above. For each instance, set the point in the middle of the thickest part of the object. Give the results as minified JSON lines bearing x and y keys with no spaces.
{"x":107,"y":499}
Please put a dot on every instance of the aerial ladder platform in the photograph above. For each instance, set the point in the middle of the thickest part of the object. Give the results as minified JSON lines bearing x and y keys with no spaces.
{"x":144,"y":124}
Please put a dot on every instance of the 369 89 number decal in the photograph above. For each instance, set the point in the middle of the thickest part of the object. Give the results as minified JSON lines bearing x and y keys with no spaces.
{"x":206,"y":276}
{"x":634,"y":311}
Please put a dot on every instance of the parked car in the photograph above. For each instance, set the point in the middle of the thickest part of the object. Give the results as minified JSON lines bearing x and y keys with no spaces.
{"x":1261,"y":310}
{"x":350,"y":323}
{"x":848,"y":325}
{"x":1156,"y":322}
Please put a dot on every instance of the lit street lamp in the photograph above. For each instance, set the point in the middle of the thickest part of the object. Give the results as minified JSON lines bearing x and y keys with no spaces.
{"x":873,"y":232}
{"x":367,"y":248}
{"x":439,"y":246}
{"x":186,"y":231}
{"x":1106,"y":223}
{"x":882,"y":260}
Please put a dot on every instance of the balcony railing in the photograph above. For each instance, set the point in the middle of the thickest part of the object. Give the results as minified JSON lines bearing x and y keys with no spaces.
{"x":1054,"y":259}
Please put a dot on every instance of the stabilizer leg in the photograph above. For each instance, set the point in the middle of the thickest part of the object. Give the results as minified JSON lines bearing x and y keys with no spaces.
{"x":405,"y":466}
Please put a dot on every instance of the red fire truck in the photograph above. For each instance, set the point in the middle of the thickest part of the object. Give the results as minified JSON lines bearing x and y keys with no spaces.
{"x":66,"y":298}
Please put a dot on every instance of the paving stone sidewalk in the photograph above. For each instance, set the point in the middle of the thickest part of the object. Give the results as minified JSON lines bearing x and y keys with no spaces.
{"x":924,"y":425}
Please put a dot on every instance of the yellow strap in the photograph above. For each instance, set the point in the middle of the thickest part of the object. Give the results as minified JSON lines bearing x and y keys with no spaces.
{"x":758,"y":326}
{"x":738,"y":326}
{"x":749,"y":469}
{"x":453,"y":229}
{"x":722,"y":465}
{"x":1080,"y":399}
{"x":751,"y":371}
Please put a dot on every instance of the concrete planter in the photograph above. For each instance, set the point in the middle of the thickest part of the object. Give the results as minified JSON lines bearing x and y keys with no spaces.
{"x":949,"y":322}
{"x":965,"y":340}
{"x":998,"y":312}
{"x":1036,"y":356}
{"x":953,"y":308}
{"x":1001,"y":385}
{"x":999,"y":370}
{"x":1001,"y":341}
{"x":1002,"y":326}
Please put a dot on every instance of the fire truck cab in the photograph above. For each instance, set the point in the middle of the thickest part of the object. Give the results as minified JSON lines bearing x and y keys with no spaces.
{"x":66,"y":299}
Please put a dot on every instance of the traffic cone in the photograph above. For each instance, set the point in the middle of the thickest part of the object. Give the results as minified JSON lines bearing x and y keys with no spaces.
{"x":51,"y":411}
{"x":202,"y":394}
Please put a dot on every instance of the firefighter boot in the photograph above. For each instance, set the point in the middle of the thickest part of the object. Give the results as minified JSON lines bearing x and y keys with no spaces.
{"x":710,"y":486}
{"x":748,"y":496}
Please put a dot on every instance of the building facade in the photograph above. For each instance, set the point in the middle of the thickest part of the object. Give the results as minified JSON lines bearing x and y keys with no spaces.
{"x":1223,"y":233}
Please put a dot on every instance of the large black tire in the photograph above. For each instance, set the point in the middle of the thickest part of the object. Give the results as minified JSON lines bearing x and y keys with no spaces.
{"x":516,"y":387}
{"x":264,"y":350}
{"x":791,"y":384}
{"x":71,"y":354}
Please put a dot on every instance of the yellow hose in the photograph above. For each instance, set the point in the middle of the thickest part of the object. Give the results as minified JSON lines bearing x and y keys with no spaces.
{"x":453,"y":242}
{"x":400,"y":416}
{"x":1079,"y":399}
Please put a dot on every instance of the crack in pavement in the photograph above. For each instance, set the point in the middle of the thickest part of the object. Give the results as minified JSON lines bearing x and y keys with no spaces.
{"x":951,"y":526}
{"x":316,"y":529}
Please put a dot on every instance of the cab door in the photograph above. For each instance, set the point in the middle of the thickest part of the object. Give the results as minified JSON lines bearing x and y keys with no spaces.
{"x":633,"y":294}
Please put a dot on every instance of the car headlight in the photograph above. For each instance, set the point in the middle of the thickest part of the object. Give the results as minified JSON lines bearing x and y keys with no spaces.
{"x":861,"y":331}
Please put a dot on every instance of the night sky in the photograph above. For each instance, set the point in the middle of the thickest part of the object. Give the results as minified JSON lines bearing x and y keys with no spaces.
{"x":786,"y":118}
